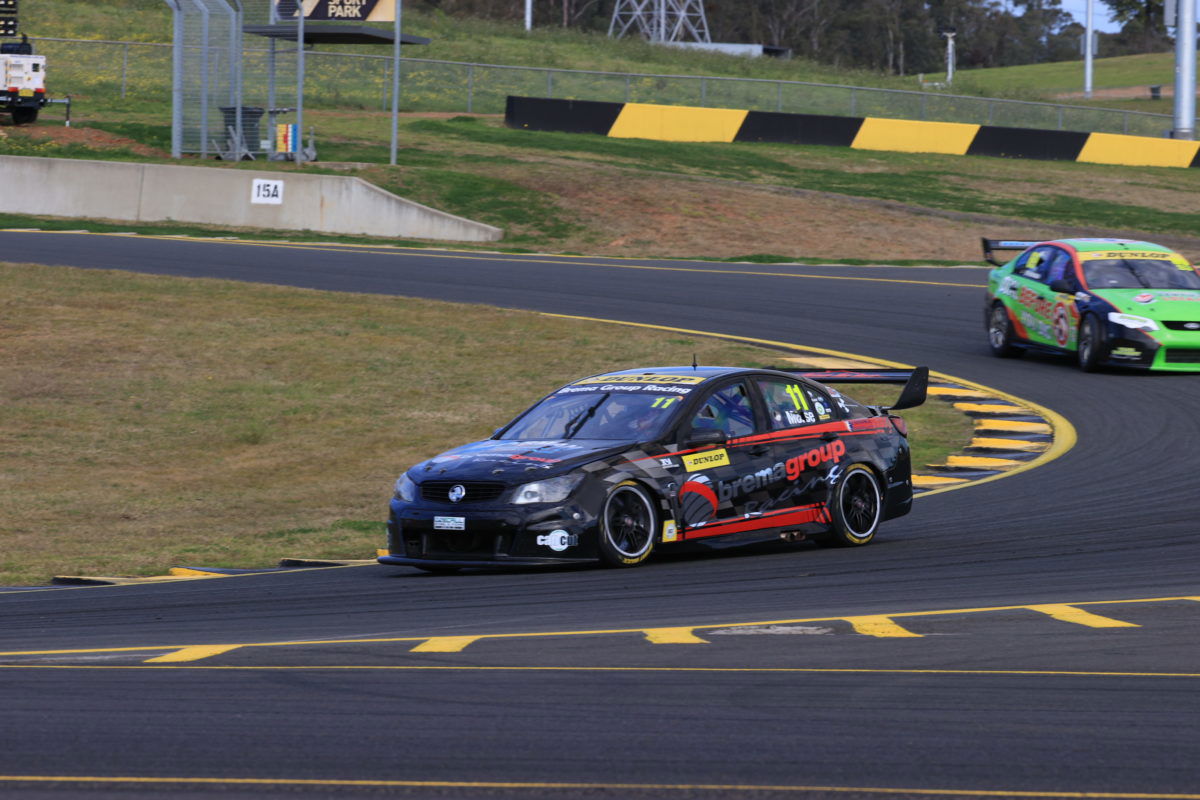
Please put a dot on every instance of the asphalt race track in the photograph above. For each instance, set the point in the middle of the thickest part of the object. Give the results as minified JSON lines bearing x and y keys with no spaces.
{"x":1035,"y":636}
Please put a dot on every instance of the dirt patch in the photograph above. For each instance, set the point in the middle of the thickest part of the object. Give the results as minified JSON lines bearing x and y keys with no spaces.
{"x":1119,"y":93}
{"x":86,"y":137}
{"x":663,"y":217}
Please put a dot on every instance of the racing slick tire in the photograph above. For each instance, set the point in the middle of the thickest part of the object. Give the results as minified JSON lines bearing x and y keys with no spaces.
{"x":1091,"y":344}
{"x":856,"y":508}
{"x":628,"y":525}
{"x":1000,"y":333}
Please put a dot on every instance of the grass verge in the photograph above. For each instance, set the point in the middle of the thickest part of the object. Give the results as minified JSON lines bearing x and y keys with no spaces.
{"x":155,"y":421}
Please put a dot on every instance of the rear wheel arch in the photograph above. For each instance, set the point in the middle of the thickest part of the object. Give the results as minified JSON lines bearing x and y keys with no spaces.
{"x":1001,"y":336}
{"x":856,"y":505}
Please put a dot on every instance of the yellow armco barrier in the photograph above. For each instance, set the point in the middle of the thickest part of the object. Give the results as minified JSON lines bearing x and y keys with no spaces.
{"x":1138,"y":151}
{"x":913,"y":136}
{"x":691,"y":124}
{"x":677,"y":123}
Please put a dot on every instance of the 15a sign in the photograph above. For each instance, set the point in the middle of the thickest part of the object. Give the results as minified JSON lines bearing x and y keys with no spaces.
{"x":266,"y":192}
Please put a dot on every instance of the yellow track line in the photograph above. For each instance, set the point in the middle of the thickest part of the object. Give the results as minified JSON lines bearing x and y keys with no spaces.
{"x":1059,"y":609}
{"x":613,"y":787}
{"x":1053,"y":673}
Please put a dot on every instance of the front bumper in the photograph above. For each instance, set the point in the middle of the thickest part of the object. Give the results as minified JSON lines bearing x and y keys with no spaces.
{"x":536,"y":535}
{"x":404,"y":561}
{"x":1163,"y":350}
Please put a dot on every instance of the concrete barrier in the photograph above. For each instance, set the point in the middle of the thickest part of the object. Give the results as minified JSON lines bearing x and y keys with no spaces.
{"x":62,"y":187}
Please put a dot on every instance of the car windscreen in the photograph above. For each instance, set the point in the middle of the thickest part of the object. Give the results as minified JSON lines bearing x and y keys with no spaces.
{"x":1138,"y":273}
{"x":618,"y":415}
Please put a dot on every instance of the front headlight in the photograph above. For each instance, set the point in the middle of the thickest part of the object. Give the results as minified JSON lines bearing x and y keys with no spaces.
{"x":405,"y":490}
{"x":1133,"y":321}
{"x":554,"y":490}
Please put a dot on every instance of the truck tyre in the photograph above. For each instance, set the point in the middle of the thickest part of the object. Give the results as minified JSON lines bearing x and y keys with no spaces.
{"x":24,"y":116}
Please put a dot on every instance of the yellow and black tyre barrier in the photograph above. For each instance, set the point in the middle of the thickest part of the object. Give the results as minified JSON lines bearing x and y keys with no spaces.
{"x":692,"y":124}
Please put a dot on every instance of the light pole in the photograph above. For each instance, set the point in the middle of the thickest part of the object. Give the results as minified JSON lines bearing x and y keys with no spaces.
{"x":395,"y":82}
{"x":1185,"y":71}
{"x":949,"y":33}
{"x":299,"y":157}
{"x":1088,"y":52}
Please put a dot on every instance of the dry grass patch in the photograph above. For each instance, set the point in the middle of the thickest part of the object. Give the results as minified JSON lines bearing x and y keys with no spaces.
{"x":156,"y":421}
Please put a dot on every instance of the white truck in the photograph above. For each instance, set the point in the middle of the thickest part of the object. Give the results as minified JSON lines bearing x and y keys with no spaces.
{"x":23,"y":92}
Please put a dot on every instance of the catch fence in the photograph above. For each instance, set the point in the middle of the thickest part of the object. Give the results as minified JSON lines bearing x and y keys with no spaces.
{"x":359,"y":80}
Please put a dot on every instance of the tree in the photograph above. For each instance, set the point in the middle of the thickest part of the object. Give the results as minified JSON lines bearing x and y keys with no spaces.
{"x":1142,"y":26}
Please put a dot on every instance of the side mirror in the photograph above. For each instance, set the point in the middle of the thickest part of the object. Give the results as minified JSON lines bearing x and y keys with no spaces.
{"x":1062,"y":286}
{"x":706,"y":436}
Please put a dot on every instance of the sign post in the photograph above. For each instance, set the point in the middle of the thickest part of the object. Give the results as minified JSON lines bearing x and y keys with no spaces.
{"x":395,"y":83}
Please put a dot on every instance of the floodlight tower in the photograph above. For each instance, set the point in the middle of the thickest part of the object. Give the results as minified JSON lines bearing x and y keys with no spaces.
{"x":661,"y":20}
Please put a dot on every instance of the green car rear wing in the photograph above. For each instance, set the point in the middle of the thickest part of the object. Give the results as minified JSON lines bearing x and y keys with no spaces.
{"x":992,"y":245}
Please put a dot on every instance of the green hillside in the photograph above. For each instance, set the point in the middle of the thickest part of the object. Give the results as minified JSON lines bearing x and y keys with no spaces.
{"x":458,"y":39}
{"x":1063,"y":76}
{"x":489,"y":42}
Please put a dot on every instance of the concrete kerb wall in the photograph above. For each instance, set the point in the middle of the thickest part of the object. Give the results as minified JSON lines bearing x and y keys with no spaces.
{"x":243,"y":198}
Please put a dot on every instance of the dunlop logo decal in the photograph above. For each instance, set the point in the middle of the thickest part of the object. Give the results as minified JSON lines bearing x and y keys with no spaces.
{"x":706,"y":460}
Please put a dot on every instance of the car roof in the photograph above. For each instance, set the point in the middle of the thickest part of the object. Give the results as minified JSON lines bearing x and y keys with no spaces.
{"x":1092,"y":245}
{"x":705,"y":373}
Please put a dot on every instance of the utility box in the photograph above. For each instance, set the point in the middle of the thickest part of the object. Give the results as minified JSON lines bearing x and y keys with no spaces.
{"x":23,"y":91}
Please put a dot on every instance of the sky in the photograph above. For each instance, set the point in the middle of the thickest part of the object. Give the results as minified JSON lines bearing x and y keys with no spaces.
{"x":1100,"y":13}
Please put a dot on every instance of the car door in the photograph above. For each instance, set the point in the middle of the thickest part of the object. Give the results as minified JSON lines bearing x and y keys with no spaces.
{"x":1059,"y":288}
{"x":725,"y":479}
{"x":806,"y":438}
{"x":1043,"y":313}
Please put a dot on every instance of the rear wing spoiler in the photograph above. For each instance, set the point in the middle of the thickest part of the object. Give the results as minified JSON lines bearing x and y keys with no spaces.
{"x":916,"y":381}
{"x":992,"y":245}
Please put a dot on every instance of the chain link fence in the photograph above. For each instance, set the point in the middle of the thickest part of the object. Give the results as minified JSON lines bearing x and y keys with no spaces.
{"x":353,"y":80}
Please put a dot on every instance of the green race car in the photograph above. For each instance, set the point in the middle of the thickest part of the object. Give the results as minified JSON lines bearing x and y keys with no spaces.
{"x":1111,"y":302}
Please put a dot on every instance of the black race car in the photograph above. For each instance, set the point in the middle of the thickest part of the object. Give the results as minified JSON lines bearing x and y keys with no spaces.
{"x":612,"y":466}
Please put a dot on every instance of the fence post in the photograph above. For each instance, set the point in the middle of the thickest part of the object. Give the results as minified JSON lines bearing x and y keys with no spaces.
{"x":704,"y":91}
{"x":470,"y":88}
{"x":124,"y":68}
{"x":1125,"y":122}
